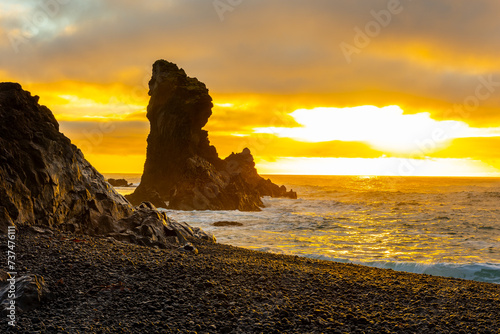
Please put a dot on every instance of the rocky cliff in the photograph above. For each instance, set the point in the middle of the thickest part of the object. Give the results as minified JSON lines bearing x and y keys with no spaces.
{"x":46,"y":181}
{"x":182,"y":168}
{"x":44,"y":178}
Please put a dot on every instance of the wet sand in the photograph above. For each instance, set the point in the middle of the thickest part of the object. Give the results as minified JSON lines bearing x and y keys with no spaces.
{"x":102,"y":286}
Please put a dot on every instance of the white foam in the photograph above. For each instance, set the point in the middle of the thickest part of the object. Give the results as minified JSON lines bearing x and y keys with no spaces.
{"x":483,"y":272}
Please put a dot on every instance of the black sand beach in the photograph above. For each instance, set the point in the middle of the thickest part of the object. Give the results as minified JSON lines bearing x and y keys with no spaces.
{"x":99,"y":285}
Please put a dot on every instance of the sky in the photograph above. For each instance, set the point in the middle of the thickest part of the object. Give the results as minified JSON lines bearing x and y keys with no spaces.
{"x":366,"y":87}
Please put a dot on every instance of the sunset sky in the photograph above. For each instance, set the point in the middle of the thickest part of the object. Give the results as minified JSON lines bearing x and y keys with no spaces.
{"x":311,"y":87}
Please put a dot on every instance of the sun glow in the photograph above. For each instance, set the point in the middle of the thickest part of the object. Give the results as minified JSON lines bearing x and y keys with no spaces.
{"x":377,"y":166}
{"x":78,"y":107}
{"x":364,"y":140}
{"x":387,"y":128}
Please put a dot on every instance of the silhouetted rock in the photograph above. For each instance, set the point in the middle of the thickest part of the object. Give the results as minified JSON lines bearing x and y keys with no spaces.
{"x":182,"y":168}
{"x":119,"y":183}
{"x":46,"y":181}
{"x":243,"y":163}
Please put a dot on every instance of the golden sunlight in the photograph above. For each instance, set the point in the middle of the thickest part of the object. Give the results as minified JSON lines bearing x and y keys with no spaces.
{"x":112,"y":163}
{"x":387,"y":128}
{"x":73,"y":101}
{"x":377,"y":166}
{"x":288,"y":166}
{"x":78,"y":107}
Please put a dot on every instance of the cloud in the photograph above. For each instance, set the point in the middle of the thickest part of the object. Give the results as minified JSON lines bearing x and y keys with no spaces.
{"x":77,"y":107}
{"x":108,"y":138}
{"x":479,"y":148}
{"x":387,"y":128}
{"x":264,"y":46}
{"x":278,"y":55}
{"x":70,"y":100}
{"x":240,"y":113}
{"x":265,"y":146}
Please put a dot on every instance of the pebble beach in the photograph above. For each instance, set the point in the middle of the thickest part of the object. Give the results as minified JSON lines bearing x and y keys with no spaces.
{"x":99,"y":285}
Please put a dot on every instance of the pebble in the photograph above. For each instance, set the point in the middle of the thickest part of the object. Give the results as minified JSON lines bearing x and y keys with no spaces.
{"x":225,"y":289}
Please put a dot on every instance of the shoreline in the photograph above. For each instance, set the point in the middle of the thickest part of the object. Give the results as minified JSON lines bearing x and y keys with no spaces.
{"x":226,"y":289}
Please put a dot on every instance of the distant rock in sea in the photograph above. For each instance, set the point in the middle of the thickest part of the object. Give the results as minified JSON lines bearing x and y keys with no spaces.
{"x":182,"y":168}
{"x":227,"y":223}
{"x":46,"y":181}
{"x":119,"y":183}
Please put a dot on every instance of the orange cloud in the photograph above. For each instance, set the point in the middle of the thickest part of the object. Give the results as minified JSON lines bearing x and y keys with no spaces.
{"x":265,"y":60}
{"x":108,"y":138}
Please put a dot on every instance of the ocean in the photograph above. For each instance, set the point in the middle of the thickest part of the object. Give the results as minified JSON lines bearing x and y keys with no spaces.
{"x":431,"y":225}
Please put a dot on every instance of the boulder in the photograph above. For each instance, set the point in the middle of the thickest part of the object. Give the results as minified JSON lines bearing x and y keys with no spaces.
{"x":149,"y":227}
{"x":182,"y":170}
{"x":28,"y":292}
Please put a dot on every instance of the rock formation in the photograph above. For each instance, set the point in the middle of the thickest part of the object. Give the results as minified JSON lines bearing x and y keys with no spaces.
{"x":119,"y":183}
{"x":46,"y":181}
{"x":44,"y":178}
{"x":182,"y":168}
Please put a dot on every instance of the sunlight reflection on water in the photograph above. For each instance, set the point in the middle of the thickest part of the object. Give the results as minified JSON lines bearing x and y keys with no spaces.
{"x":370,"y":219}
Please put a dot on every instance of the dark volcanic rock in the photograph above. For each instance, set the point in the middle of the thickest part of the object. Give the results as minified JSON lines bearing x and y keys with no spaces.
{"x":119,"y":183}
{"x":243,"y":164}
{"x":149,"y":227}
{"x":182,"y":168}
{"x":46,"y":181}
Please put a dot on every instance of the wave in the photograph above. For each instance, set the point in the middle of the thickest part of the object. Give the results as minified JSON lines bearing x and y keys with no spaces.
{"x":482,"y":272}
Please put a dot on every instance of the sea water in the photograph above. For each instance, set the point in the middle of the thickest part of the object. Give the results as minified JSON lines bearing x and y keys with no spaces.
{"x":433,"y":225}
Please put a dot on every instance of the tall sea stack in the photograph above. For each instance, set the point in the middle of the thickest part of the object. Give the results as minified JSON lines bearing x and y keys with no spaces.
{"x":182,"y":170}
